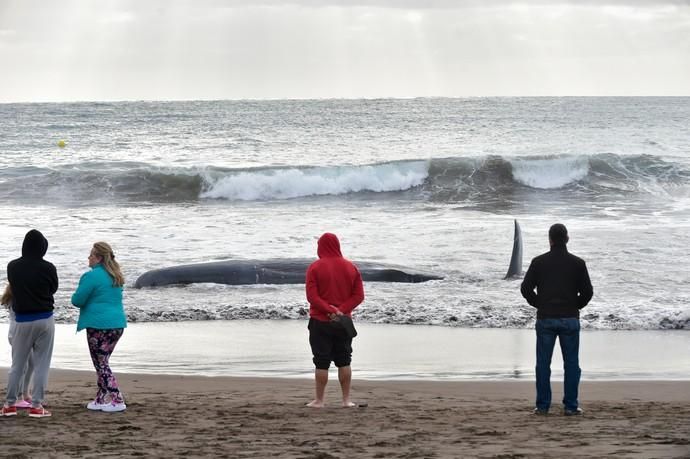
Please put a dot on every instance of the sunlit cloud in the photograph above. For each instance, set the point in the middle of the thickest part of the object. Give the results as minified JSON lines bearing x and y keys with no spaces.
{"x":217,"y":49}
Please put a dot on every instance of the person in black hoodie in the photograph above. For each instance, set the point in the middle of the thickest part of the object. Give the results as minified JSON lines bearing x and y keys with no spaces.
{"x":563,"y":288}
{"x":34,"y":281}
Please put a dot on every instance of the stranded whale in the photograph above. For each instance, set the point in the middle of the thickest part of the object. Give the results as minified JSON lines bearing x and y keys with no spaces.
{"x":293,"y":271}
{"x":281,"y":271}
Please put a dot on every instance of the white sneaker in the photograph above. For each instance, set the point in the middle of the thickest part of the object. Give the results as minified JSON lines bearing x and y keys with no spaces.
{"x":114,"y":407}
{"x":93,"y":406}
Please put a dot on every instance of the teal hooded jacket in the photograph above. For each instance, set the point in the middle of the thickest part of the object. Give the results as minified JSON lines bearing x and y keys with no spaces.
{"x":99,"y":301}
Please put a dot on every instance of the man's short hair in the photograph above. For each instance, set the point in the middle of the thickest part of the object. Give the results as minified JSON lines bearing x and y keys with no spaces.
{"x":558,"y":234}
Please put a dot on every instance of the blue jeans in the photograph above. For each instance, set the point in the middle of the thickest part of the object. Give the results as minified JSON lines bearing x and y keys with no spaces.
{"x":568,"y":333}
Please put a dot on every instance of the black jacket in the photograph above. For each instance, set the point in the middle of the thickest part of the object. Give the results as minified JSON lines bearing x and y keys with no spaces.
{"x":32,"y":279}
{"x":562,"y":283}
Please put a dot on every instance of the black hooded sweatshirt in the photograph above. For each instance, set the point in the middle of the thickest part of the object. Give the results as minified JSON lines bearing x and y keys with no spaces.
{"x":33,"y":280}
{"x":562,"y":283}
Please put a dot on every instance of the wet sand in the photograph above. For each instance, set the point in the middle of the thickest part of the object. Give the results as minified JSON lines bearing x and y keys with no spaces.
{"x":196,"y":416}
{"x":381,"y":351}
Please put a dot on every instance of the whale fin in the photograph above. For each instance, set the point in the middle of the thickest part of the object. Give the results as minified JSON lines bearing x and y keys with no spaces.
{"x":515,"y":267}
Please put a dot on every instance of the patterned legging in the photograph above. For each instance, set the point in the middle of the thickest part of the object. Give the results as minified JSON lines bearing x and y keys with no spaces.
{"x":101,"y":346}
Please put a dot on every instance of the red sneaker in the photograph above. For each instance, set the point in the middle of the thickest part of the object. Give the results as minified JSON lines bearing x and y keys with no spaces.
{"x":8,"y":411}
{"x":39,"y":412}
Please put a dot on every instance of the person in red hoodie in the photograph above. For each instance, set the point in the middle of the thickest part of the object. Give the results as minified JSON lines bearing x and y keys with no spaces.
{"x":334,"y":289}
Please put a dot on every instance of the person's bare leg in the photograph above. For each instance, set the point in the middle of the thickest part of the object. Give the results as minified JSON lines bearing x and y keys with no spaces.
{"x":321,"y":377}
{"x":345,"y":378}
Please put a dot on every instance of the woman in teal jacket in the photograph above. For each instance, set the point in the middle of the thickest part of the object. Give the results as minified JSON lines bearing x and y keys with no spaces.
{"x":99,"y":299}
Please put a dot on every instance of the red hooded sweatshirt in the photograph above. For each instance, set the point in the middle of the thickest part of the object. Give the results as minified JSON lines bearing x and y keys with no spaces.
{"x":333,"y":283}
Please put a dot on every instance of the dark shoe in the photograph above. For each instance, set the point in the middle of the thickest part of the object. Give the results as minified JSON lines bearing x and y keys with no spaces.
{"x":540,"y":412}
{"x":575,"y":412}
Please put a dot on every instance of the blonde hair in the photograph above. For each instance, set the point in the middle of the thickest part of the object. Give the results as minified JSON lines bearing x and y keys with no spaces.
{"x":6,"y":296}
{"x":103,"y":250}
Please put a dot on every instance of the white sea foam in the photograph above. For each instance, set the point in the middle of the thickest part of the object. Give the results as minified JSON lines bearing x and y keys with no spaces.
{"x":550,"y":173}
{"x":292,"y":183}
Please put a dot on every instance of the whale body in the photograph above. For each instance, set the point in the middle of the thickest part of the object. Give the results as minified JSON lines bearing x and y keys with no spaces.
{"x":279,"y":271}
{"x":293,"y":271}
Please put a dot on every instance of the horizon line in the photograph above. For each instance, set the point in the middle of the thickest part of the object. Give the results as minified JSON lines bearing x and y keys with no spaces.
{"x":305,"y":99}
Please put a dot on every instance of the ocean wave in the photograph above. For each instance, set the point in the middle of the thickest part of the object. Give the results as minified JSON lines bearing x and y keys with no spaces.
{"x":555,"y":172}
{"x":477,"y":179}
{"x":550,"y":173}
{"x":289,"y":183}
{"x":101,"y":181}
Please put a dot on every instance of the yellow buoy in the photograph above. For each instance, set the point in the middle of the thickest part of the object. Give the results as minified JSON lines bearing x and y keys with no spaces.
{"x":61,"y":143}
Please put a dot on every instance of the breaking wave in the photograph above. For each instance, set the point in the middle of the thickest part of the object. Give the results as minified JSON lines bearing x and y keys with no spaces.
{"x":440,"y":179}
{"x":300,"y":182}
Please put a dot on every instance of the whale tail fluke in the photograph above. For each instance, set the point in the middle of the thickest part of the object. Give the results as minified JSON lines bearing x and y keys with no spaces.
{"x":515,"y":267}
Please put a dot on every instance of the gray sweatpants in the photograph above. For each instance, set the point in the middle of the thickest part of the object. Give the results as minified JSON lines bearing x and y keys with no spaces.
{"x":36,"y":336}
{"x":25,"y":382}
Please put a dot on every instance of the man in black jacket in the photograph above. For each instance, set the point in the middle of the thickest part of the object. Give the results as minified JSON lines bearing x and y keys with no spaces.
{"x":33,"y":282}
{"x":563,"y":288}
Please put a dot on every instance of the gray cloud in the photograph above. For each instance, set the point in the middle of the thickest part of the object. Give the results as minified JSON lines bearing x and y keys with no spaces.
{"x":83,"y":50}
{"x":442,"y":4}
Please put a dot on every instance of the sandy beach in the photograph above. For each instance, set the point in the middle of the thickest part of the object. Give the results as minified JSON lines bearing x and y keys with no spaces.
{"x":194,"y":416}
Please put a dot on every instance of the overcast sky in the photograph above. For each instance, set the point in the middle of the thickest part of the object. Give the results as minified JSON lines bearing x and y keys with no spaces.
{"x":247,"y":49}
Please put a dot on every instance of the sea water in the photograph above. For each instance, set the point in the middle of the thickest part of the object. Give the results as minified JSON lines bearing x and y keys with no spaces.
{"x":432,"y":184}
{"x":279,"y":348}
